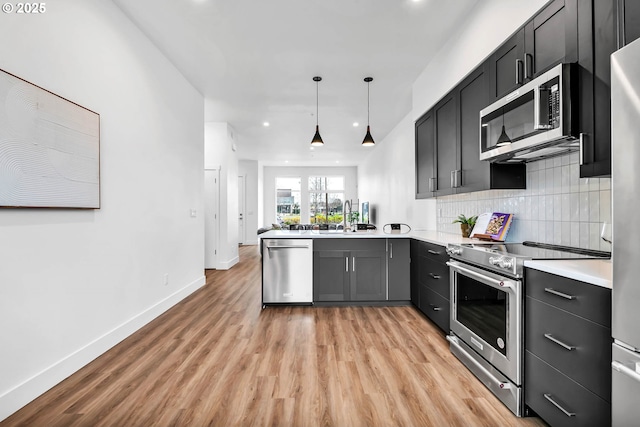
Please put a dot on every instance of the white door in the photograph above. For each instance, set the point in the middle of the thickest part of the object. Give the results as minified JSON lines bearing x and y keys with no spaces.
{"x":211,"y":217}
{"x":241,"y":203}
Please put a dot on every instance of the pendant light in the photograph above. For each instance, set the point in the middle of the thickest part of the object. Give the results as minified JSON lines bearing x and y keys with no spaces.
{"x":503,"y":139}
{"x":368,"y":139}
{"x":317,"y":139}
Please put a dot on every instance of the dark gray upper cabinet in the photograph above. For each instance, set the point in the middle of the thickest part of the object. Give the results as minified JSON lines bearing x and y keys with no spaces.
{"x":597,"y":40}
{"x":425,"y":148}
{"x":446,"y":145}
{"x":548,"y":39}
{"x":506,"y":66}
{"x":628,"y":21}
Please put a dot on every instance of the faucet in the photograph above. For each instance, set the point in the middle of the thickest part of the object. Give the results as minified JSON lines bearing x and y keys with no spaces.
{"x":344,"y":215}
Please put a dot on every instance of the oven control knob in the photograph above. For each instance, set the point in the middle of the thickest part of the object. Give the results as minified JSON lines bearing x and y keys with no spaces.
{"x":454,"y":251}
{"x":494,"y":260}
{"x":506,"y":263}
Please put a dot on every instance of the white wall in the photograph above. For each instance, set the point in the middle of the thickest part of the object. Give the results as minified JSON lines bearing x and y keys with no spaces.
{"x":387,"y":176}
{"x":249,"y":170}
{"x":219,"y":154}
{"x":73,"y":283}
{"x":269,"y":184}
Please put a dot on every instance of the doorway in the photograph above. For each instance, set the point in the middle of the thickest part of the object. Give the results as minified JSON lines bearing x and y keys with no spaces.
{"x":211,"y":217}
{"x":241,"y":209}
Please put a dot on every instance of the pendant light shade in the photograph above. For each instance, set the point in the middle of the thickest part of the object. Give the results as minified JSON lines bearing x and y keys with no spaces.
{"x":368,"y":139}
{"x":503,"y":139}
{"x":317,"y":139}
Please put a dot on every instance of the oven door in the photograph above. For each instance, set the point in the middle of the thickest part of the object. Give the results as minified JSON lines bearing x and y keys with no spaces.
{"x":486,"y":313}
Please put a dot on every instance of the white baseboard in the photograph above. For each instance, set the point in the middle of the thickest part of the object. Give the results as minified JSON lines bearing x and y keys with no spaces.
{"x":225,"y":265}
{"x":19,"y":396}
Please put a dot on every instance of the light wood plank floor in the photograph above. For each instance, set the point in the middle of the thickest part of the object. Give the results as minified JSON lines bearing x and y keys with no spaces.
{"x":218,"y":359}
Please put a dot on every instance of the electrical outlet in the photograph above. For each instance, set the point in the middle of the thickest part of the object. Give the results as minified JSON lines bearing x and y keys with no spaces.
{"x":193,"y":213}
{"x":166,"y":279}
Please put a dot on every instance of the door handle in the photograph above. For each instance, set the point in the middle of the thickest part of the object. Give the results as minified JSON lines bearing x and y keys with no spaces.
{"x":581,"y":146}
{"x":528,"y":66}
{"x":353,"y":263}
{"x":518,"y":71}
{"x":625,"y":370}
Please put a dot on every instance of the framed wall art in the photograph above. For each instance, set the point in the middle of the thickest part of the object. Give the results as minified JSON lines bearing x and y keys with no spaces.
{"x":49,"y":149}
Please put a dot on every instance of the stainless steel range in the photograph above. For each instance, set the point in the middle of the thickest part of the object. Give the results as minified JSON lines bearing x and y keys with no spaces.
{"x":487,"y":289}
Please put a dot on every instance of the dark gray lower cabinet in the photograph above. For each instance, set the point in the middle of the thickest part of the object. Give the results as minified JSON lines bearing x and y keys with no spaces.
{"x":568,"y":350}
{"x":399,"y":269}
{"x":430,"y":282}
{"x":363,"y":270}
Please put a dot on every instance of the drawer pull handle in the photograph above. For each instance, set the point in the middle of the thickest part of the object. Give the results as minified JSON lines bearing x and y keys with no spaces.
{"x":434,"y":276}
{"x":560,"y":294}
{"x":560,"y":343}
{"x":432,"y":252}
{"x":557,"y":405}
{"x":435,"y":308}
{"x":625,"y":370}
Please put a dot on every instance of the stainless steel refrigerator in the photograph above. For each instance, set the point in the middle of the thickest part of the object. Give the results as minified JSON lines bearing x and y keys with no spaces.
{"x":625,"y":140}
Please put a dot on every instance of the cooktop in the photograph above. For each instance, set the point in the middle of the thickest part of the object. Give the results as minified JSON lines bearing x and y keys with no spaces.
{"x":535,"y":250}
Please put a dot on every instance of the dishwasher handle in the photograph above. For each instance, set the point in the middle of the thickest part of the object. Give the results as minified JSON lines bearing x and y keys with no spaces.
{"x":288,"y":247}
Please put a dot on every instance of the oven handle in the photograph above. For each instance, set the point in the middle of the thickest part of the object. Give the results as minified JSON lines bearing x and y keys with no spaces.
{"x":498,"y":284}
{"x":502,"y":385}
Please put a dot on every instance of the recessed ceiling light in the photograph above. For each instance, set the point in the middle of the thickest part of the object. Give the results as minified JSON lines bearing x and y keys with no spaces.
{"x":312,"y":148}
{"x":356,"y":124}
{"x":265,"y":124}
{"x":337,"y":161}
{"x":286,"y":161}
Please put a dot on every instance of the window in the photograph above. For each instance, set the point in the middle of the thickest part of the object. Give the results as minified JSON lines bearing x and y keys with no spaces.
{"x":326,"y":198}
{"x":288,"y":200}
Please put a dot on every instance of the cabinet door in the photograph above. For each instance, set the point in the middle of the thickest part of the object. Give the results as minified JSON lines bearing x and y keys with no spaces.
{"x":550,"y":38}
{"x":368,"y":281}
{"x":628,"y":21}
{"x":399,"y":269}
{"x":506,"y":66}
{"x":446,"y":142}
{"x":331,"y":275}
{"x":596,"y":42}
{"x":425,"y":149}
{"x":473,"y":96}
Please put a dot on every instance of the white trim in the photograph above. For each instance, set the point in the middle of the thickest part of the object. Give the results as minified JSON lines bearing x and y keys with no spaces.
{"x":228,"y":264}
{"x":21,"y":395}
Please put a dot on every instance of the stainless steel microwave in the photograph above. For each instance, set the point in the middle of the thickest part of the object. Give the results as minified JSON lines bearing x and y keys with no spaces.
{"x":536,"y":121}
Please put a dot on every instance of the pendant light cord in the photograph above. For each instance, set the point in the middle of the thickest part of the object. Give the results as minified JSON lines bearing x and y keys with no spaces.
{"x":368,"y":103}
{"x":317,"y":102}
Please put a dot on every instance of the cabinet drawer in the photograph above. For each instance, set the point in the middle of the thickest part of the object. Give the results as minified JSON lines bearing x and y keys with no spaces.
{"x":544,"y":383}
{"x":435,"y":252}
{"x":435,"y":307}
{"x":349,"y":244}
{"x":588,"y":358}
{"x":589,"y":301}
{"x":435,"y":276}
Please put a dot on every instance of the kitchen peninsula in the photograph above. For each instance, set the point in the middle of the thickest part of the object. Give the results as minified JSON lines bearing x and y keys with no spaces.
{"x":347,"y":268}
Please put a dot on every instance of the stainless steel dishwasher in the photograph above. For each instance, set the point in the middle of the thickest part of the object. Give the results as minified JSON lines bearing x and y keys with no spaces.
{"x":287,"y":271}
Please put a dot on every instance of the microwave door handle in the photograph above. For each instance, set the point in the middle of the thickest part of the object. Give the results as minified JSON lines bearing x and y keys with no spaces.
{"x":536,"y":110}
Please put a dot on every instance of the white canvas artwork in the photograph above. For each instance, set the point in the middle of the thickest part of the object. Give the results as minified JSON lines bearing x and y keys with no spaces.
{"x":49,"y":149}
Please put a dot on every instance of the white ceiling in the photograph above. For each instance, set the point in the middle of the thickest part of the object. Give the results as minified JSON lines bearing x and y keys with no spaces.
{"x":254,"y":61}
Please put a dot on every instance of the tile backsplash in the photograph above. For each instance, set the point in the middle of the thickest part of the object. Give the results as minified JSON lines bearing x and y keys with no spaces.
{"x":557,"y":207}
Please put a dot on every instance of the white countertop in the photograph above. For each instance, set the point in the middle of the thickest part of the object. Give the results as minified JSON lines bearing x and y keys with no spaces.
{"x":595,"y":271}
{"x":425,"y":235}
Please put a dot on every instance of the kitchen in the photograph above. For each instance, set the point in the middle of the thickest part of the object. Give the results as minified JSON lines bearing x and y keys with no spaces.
{"x":385,"y":179}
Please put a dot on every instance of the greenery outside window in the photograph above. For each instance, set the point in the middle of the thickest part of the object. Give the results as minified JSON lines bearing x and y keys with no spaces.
{"x":326,"y":199}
